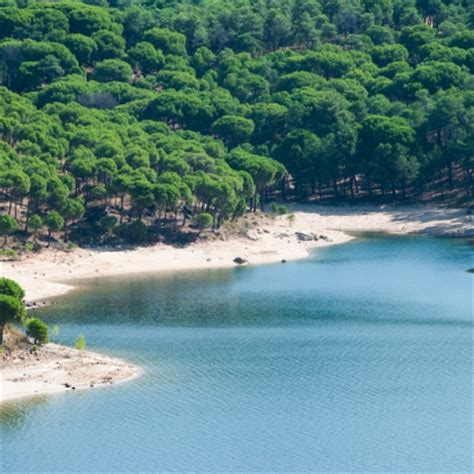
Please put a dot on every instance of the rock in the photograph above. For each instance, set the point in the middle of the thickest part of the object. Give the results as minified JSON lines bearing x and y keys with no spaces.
{"x":283,"y":261}
{"x":325,"y":238}
{"x":240,"y":260}
{"x":304,"y":237}
{"x":471,"y":270}
{"x":67,"y":385}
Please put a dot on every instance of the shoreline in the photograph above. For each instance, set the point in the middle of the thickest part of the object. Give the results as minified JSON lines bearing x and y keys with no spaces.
{"x":267,"y":240}
{"x":56,"y":369}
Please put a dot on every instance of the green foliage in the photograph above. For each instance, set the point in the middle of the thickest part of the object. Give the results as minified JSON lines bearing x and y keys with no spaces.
{"x":134,"y":233}
{"x":204,"y":220}
{"x":12,"y":310}
{"x":278,"y":209}
{"x":112,"y":70}
{"x":54,"y":221}
{"x":159,"y":113}
{"x":9,"y":254}
{"x":35,"y":224}
{"x":37,"y":330}
{"x":234,"y":129}
{"x":80,"y":343}
{"x":8,"y":225}
{"x":11,"y":288}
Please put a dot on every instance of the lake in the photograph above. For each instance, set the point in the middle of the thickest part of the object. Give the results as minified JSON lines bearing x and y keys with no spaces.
{"x":357,"y":359}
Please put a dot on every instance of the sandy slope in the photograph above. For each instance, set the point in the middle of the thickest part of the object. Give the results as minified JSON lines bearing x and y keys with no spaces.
{"x":53,"y":368}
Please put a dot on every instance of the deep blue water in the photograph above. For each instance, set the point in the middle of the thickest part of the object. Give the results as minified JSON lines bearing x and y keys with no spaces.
{"x":358,"y":359}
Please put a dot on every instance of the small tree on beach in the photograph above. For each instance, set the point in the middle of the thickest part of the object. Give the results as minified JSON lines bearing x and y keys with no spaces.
{"x":12,"y":310}
{"x":38,"y":331}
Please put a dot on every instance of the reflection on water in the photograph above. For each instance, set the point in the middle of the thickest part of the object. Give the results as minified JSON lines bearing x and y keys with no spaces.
{"x":356,"y":359}
{"x":15,"y":413}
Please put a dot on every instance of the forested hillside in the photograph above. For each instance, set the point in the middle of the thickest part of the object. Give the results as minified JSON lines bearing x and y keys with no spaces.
{"x":119,"y":116}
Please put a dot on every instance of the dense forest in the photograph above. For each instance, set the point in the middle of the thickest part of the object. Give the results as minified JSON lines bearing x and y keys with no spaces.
{"x":121,"y":116}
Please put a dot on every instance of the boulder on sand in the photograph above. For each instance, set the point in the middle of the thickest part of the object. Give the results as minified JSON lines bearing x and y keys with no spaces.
{"x":240,"y":260}
{"x":305,"y":237}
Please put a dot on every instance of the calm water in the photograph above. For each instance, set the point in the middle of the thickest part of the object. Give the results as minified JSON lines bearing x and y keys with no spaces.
{"x":357,"y":359}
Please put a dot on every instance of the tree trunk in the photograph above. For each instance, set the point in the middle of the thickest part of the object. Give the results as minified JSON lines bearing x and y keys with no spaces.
{"x":121,"y":209}
{"x":355,"y":183}
{"x":27,"y":215}
{"x":450,"y":174}
{"x":2,"y":327}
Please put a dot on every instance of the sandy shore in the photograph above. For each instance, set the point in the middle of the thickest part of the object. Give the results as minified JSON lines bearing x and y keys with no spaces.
{"x":257,"y":239}
{"x":54,"y":369}
{"x":269,"y":240}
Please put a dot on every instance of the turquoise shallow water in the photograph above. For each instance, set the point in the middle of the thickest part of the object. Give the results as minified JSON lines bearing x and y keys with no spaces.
{"x":358,"y":359}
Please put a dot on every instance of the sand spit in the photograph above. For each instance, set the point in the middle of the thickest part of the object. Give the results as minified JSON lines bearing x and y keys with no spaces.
{"x":53,"y":369}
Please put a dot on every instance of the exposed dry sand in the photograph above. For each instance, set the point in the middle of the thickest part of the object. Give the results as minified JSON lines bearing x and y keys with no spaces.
{"x":269,"y":240}
{"x":54,"y":368}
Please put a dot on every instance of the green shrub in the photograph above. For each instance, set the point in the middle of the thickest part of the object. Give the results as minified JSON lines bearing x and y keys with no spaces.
{"x":135,"y":232}
{"x":28,"y":246}
{"x":204,"y":220}
{"x":278,"y":209}
{"x":8,"y":254}
{"x":71,"y":245}
{"x":37,"y":330}
{"x":80,"y":342}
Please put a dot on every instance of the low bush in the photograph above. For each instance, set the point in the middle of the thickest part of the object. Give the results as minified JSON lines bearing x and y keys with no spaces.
{"x":37,"y":330}
{"x":80,"y":342}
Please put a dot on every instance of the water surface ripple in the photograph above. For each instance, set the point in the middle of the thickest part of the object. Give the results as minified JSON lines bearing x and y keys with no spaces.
{"x":358,"y":359}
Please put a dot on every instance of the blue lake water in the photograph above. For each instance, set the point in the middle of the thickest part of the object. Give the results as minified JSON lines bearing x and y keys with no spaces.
{"x":358,"y":359}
